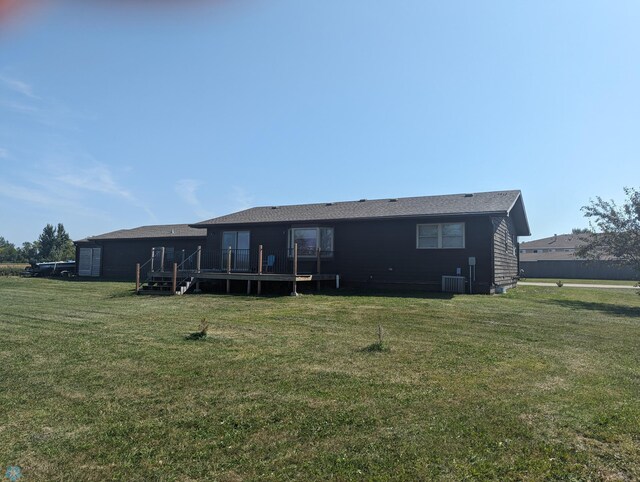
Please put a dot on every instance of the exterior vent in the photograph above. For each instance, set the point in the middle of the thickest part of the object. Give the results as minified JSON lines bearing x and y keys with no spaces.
{"x":173,"y":231}
{"x":274,"y":207}
{"x":329,"y":204}
{"x":468,"y":195}
{"x":393,"y":200}
{"x":453,"y":284}
{"x":362,"y":200}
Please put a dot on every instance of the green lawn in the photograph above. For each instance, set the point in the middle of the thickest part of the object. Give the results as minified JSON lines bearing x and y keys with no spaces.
{"x":97,"y":384}
{"x":583,"y":281}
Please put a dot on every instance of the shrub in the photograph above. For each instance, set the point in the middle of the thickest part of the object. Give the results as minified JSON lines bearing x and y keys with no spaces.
{"x":201,"y":334}
{"x":379,"y":345}
{"x":15,"y":270}
{"x":560,"y":284}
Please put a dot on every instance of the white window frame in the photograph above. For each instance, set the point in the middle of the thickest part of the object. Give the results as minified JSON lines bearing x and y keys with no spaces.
{"x":440,"y":225}
{"x":318,"y":229}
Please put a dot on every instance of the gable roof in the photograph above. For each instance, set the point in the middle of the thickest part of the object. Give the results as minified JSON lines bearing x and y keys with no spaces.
{"x":150,"y":232}
{"x":549,"y":256}
{"x":556,"y":242}
{"x":498,"y":202}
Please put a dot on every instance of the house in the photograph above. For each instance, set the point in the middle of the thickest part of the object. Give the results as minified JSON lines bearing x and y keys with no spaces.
{"x":409,"y":243}
{"x":555,"y":257}
{"x":561,"y":246}
{"x":114,"y":255}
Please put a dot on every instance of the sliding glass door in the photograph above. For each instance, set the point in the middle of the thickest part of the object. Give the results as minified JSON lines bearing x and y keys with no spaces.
{"x":240,"y":243}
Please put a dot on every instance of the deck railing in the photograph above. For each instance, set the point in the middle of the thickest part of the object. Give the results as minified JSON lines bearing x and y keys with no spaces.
{"x":261,"y":261}
{"x":258,"y":261}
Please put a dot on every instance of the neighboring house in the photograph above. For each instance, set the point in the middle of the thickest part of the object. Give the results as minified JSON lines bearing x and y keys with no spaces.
{"x":404,"y":242}
{"x":556,"y":247}
{"x":114,"y":255}
{"x":554,"y":257}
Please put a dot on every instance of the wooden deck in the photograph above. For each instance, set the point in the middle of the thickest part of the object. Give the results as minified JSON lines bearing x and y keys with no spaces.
{"x":163,"y":284}
{"x":179,"y":281}
{"x":264,"y":276}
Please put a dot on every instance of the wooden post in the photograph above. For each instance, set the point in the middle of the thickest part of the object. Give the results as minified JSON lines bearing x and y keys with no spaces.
{"x":318,"y":267}
{"x":248,"y":286}
{"x":198,"y":264}
{"x":162,"y":259}
{"x":153,"y":258}
{"x":137,"y":278}
{"x":174,"y":278}
{"x":228,"y":286}
{"x":229,"y":260}
{"x":259,"y":269}
{"x":295,"y":270}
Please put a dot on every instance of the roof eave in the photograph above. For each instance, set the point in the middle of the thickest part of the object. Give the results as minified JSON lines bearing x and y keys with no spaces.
{"x":525,"y":229}
{"x":370,"y":218}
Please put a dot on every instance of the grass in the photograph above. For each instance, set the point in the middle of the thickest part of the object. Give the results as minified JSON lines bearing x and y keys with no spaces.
{"x":583,"y":281}
{"x":97,"y":383}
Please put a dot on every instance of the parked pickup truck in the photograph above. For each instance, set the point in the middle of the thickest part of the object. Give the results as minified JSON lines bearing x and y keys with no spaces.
{"x":65,"y":269}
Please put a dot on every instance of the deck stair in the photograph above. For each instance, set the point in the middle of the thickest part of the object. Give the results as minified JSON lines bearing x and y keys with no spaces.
{"x":162,"y":284}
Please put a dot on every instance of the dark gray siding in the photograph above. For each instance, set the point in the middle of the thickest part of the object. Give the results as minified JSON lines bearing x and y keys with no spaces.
{"x":505,"y":252}
{"x":383,"y":253}
{"x":119,"y":256}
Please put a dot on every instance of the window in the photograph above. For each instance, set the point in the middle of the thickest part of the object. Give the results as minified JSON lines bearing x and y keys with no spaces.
{"x":310,"y":239}
{"x":440,"y":236}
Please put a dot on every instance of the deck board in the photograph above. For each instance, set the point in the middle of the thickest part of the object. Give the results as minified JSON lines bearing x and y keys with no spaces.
{"x":214,"y":275}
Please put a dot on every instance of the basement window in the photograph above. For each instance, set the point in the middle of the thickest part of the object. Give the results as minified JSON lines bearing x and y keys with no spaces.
{"x":440,"y":236}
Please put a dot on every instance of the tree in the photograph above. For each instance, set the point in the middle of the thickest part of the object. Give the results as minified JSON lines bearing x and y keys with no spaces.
{"x":30,"y":252}
{"x":614,"y":230}
{"x":8,"y":252}
{"x":580,"y":231}
{"x":63,"y":246}
{"x":47,"y":242}
{"x":53,"y":244}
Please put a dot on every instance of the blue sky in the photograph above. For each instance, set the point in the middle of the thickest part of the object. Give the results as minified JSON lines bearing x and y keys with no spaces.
{"x":115,"y":118}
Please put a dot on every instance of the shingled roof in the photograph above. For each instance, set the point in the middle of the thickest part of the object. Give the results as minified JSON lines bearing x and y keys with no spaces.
{"x":498,"y":203}
{"x":558,"y":241}
{"x":156,"y":231}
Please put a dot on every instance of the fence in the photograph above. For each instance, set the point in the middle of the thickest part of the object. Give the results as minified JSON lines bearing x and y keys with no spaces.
{"x":577,"y":269}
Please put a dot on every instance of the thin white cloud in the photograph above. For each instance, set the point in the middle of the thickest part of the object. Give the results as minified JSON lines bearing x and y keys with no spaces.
{"x":18,"y":86}
{"x":241,"y":199}
{"x":42,"y":199}
{"x":187,"y":189}
{"x":19,"y":107}
{"x":99,"y":178}
{"x":19,"y":97}
{"x":4,"y":153}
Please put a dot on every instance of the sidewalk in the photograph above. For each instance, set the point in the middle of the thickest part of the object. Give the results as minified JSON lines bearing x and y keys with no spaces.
{"x":577,"y":285}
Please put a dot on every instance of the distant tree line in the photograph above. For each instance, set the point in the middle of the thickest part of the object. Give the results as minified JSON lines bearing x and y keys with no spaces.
{"x":53,"y":244}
